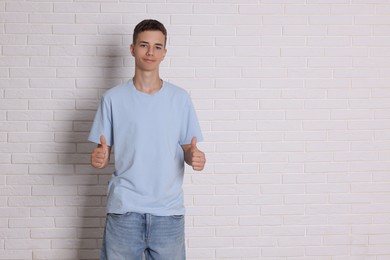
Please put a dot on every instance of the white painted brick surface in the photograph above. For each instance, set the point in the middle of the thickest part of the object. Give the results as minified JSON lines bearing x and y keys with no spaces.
{"x":293,"y":98}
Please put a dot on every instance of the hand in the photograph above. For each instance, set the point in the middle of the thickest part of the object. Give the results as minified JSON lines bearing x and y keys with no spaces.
{"x":100,"y":156}
{"x":198,"y":158}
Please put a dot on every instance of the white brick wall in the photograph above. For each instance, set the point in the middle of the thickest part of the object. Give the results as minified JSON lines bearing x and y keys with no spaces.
{"x":293,"y":98}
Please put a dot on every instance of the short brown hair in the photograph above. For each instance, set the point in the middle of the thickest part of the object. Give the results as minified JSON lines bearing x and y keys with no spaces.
{"x":149,"y":25}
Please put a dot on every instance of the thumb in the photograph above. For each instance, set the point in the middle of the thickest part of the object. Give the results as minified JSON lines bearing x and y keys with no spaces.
{"x":193,"y":142}
{"x":103,"y":141}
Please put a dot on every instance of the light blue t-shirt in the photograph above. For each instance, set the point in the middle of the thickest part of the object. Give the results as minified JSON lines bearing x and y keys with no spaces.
{"x":146,"y":132}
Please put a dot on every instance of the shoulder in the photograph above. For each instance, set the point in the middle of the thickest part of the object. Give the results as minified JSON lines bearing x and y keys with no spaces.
{"x":115,"y":92}
{"x":176,"y":91}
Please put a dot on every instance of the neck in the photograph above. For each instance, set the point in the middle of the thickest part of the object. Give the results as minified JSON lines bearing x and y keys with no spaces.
{"x":148,"y":83}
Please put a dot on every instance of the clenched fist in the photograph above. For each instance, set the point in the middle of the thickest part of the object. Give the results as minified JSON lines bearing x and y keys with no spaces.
{"x":100,"y":156}
{"x":197,"y":157}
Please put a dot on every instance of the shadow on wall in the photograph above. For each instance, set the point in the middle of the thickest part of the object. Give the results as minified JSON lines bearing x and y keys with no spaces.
{"x":110,"y":65}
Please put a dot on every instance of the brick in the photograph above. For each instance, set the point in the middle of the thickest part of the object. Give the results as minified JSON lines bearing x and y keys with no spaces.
{"x":237,"y":252}
{"x":332,"y":20}
{"x":273,"y":252}
{"x":52,"y":62}
{"x":210,"y":242}
{"x":77,"y":222}
{"x":324,"y":167}
{"x":326,"y":83}
{"x":309,"y":73}
{"x":50,"y":169}
{"x":76,"y":7}
{"x":29,"y":115}
{"x":236,"y":189}
{"x":282,"y":189}
{"x":15,"y":254}
{"x":38,"y":104}
{"x":27,"y":29}
{"x":12,"y":126}
{"x":10,"y":169}
{"x":12,"y":104}
{"x":304,"y":220}
{"x":63,"y":126}
{"x":14,"y":62}
{"x":169,"y":8}
{"x":329,"y":62}
{"x":340,"y":41}
{"x":28,"y":7}
{"x":346,"y":52}
{"x":76,"y":180}
{"x":124,"y":8}
{"x":97,"y":19}
{"x":51,"y":18}
{"x":283,"y":62}
{"x":342,"y":30}
{"x":327,"y":209}
{"x":27,"y":244}
{"x":14,"y":83}
{"x":278,"y":125}
{"x":303,"y":30}
{"x":264,"y":157}
{"x":79,"y":72}
{"x":14,"y":233}
{"x":297,"y":241}
{"x":31,"y":201}
{"x":299,"y":52}
{"x":261,"y":200}
{"x":53,"y":212}
{"x":31,"y":223}
{"x":265,"y":72}
{"x":78,"y":50}
{"x":26,"y":93}
{"x":13,"y":40}
{"x":55,"y":253}
{"x":50,"y":40}
{"x":40,"y":233}
{"x":74,"y":29}
{"x":229,"y":168}
{"x":217,"y":30}
{"x":347,"y":9}
{"x":51,"y":83}
{"x":32,"y":72}
{"x":258,"y":179}
{"x":14,"y":148}
{"x":8,"y":190}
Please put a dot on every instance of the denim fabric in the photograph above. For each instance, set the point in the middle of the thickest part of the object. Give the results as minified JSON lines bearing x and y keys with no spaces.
{"x":132,"y":235}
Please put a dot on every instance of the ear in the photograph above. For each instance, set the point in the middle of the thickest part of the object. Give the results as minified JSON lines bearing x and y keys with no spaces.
{"x":132,"y":49}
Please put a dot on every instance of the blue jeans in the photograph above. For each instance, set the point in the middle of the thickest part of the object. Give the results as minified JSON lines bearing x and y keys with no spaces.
{"x":131,"y":235}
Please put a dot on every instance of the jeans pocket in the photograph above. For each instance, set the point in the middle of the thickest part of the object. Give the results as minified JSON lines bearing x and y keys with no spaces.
{"x":177,"y":216}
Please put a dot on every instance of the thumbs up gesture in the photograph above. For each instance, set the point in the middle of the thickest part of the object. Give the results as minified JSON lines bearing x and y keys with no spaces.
{"x":197,"y":157}
{"x":100,"y":156}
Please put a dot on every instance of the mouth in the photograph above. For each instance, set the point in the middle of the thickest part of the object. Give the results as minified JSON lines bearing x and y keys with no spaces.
{"x":148,"y":60}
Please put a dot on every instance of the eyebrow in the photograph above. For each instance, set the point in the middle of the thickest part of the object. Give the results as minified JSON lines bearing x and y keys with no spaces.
{"x":158,"y":44}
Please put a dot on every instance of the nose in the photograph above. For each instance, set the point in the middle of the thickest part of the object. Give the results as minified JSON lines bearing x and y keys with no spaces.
{"x":150,"y":51}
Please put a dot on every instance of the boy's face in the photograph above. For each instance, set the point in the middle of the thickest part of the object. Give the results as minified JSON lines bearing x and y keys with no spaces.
{"x":149,"y":50}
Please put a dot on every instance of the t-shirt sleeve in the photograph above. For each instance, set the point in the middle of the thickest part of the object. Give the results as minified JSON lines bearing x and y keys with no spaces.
{"x":190,"y":124}
{"x":102,"y":124}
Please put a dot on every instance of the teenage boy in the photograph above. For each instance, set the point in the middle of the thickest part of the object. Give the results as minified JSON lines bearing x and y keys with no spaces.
{"x":152,"y":126}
